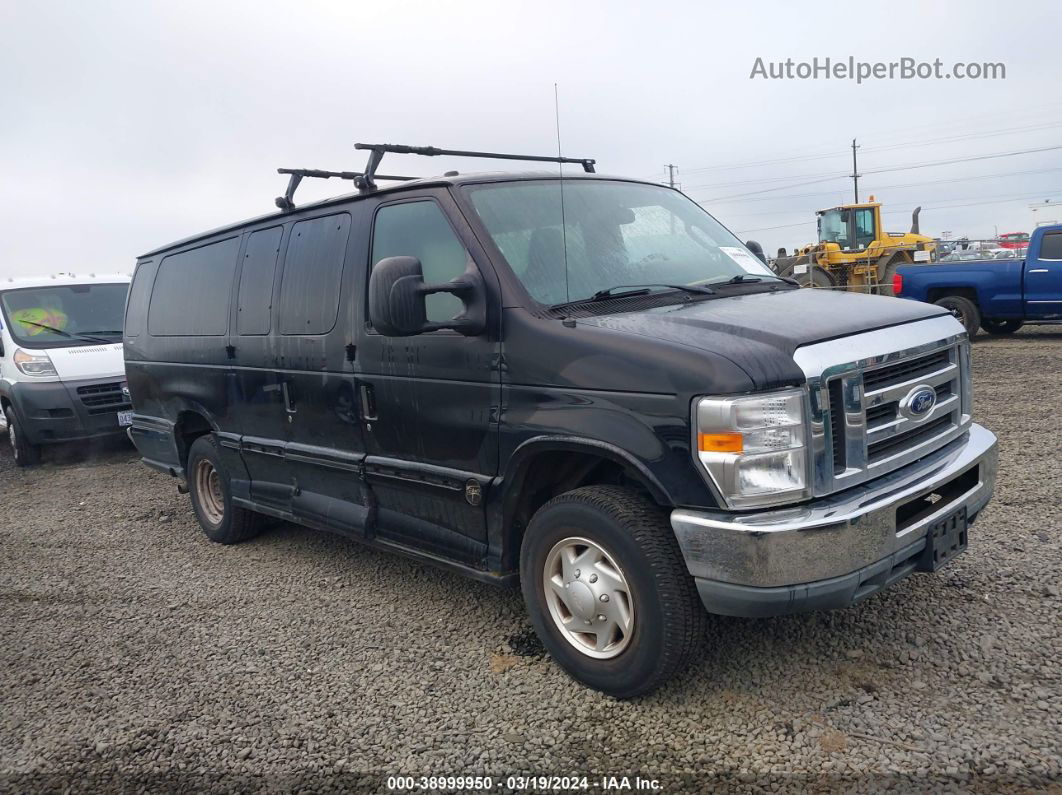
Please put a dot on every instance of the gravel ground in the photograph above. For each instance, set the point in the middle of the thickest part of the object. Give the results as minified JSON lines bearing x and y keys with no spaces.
{"x":137,"y":654}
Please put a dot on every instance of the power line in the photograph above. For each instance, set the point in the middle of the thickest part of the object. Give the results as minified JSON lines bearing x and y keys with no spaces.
{"x":908,"y":167}
{"x":907,"y":184}
{"x":795,"y":157}
{"x":926,"y":207}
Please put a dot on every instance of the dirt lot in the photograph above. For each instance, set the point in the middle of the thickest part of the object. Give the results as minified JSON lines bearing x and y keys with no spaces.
{"x":135,"y":652}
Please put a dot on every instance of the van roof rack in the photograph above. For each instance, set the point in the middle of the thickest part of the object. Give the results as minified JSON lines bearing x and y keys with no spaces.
{"x":365,"y":181}
{"x":377,"y":151}
{"x":287,"y":201}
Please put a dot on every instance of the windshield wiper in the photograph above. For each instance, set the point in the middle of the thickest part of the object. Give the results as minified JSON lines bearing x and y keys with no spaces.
{"x":744,"y":278}
{"x":644,"y":289}
{"x":60,"y":332}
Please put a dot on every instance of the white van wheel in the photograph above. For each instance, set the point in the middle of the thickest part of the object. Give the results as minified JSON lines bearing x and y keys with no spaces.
{"x":25,"y":453}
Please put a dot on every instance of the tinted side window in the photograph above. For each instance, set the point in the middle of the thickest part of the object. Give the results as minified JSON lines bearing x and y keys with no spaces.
{"x":192,"y":289}
{"x":313,"y":273}
{"x":139,"y":293}
{"x":1051,"y":246}
{"x":256,"y":281}
{"x":420,"y":229}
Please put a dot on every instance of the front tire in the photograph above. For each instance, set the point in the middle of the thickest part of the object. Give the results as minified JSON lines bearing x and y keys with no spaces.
{"x":816,"y":276}
{"x":1000,"y":327}
{"x":25,"y":453}
{"x":608,"y":591}
{"x":211,"y":493}
{"x":964,"y":310}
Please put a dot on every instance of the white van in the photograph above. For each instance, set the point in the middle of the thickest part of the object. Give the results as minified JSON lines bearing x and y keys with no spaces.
{"x":62,"y":375}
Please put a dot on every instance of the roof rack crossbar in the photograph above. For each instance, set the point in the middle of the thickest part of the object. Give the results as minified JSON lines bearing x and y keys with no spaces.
{"x":377,"y":151}
{"x":287,"y":201}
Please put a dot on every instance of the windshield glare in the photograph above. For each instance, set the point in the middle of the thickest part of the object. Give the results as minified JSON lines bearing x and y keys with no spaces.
{"x":613,"y":233}
{"x":52,"y":317}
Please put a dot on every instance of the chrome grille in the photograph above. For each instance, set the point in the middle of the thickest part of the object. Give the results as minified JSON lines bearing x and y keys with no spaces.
{"x":860,"y":428}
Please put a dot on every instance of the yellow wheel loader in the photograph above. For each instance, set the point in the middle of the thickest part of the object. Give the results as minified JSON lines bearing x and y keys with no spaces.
{"x":854,"y":252}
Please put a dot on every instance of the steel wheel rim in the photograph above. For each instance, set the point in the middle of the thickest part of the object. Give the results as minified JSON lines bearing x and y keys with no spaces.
{"x":588,"y":598}
{"x":208,"y":490}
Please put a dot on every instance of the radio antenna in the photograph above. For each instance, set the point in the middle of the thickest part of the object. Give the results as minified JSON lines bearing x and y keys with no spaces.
{"x":560,"y":171}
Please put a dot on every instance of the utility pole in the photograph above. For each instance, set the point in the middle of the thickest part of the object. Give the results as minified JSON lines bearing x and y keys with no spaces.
{"x":855,"y":171}
{"x":670,"y":174}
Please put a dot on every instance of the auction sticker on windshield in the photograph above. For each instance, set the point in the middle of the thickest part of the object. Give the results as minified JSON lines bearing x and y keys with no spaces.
{"x":745,"y":260}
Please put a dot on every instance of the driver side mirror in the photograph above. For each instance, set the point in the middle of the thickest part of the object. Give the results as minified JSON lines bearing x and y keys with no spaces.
{"x":397,"y":292}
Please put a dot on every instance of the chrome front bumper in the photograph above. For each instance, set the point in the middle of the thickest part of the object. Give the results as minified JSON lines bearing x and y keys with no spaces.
{"x":837,"y":550}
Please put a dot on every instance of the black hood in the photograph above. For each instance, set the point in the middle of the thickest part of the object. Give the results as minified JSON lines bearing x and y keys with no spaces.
{"x":759,"y":332}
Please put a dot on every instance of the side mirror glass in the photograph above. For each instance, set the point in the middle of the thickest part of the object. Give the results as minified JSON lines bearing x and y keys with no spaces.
{"x":396,"y":299}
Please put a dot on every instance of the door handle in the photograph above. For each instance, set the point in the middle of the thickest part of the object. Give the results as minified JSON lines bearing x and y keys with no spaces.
{"x":1039,"y":270}
{"x":289,"y":403}
{"x":368,"y":403}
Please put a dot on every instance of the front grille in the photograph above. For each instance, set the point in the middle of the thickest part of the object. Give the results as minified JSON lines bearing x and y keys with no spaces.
{"x":836,"y":391}
{"x":871,"y":431}
{"x":103,"y":398}
{"x":905,"y":370}
{"x":880,"y":451}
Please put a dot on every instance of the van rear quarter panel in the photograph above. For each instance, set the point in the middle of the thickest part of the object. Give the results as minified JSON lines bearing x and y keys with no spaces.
{"x":170,"y":372}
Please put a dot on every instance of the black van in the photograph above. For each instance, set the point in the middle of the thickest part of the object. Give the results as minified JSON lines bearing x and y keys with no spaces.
{"x":586,"y":385}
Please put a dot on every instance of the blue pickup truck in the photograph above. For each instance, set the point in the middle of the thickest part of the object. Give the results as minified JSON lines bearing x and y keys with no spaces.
{"x":997,"y":295}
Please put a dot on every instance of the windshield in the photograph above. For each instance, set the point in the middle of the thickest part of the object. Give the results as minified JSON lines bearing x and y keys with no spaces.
{"x":833,"y":227}
{"x":613,"y":234}
{"x":54,"y":317}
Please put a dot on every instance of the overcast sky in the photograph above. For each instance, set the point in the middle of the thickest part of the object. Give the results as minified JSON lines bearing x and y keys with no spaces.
{"x":126,"y":125}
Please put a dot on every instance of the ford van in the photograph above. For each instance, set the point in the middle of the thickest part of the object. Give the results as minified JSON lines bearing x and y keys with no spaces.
{"x":582,"y":385}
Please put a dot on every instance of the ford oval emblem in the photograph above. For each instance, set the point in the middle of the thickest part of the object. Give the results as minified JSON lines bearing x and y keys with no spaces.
{"x":919,"y":402}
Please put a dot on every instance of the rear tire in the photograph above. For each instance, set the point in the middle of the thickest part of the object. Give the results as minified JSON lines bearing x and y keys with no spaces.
{"x":964,"y":310}
{"x":1000,"y":327}
{"x":885,"y":284}
{"x":25,"y":453}
{"x":621,"y":613}
{"x":208,"y":486}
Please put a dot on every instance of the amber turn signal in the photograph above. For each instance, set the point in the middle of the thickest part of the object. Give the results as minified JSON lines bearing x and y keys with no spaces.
{"x":719,"y":442}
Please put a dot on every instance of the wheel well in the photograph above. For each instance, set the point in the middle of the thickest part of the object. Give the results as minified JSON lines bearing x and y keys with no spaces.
{"x":556,"y":472}
{"x":936,"y":293}
{"x":189,"y":427}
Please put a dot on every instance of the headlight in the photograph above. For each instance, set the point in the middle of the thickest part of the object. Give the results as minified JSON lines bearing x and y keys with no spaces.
{"x":753,"y":447}
{"x":34,"y":364}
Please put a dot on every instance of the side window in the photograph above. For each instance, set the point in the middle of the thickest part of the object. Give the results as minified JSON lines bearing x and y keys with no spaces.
{"x":139,"y":293}
{"x":191,"y":293}
{"x":1051,"y":247}
{"x":313,"y":274}
{"x":256,"y":281}
{"x":420,"y":229}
